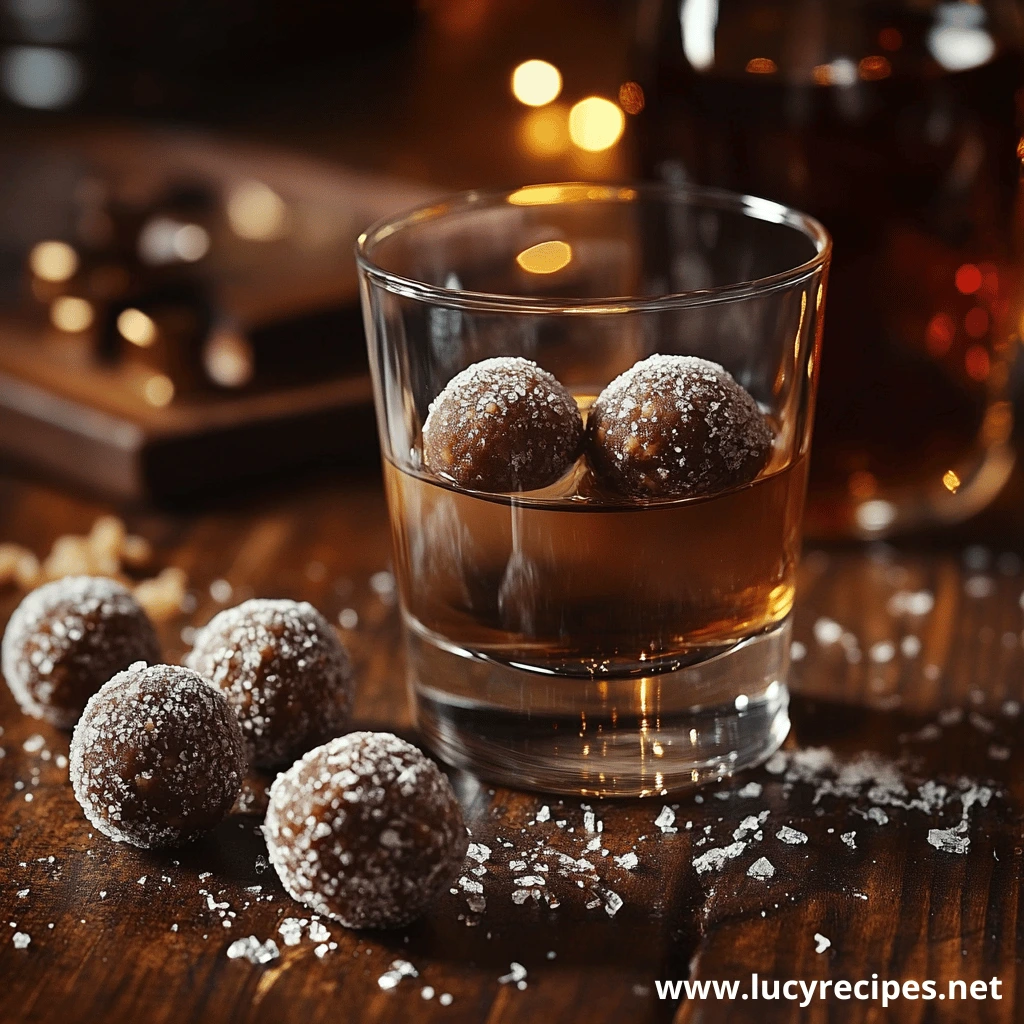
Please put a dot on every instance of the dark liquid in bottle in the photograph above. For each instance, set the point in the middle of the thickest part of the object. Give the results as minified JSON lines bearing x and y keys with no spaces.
{"x":914,"y":170}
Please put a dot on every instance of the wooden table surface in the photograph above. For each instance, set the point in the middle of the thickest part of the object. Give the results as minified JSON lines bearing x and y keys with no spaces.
{"x":119,"y":934}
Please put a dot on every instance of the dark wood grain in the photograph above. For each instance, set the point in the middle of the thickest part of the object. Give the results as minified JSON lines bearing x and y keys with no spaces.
{"x":894,"y":906}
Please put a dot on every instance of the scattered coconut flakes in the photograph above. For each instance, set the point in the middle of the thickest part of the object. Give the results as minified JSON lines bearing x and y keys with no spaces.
{"x":398,"y":970}
{"x":666,"y":819}
{"x":33,"y":744}
{"x":544,"y":814}
{"x":427,"y":992}
{"x":516,"y":974}
{"x":291,"y":930}
{"x":612,"y":902}
{"x":715,"y":858}
{"x":526,"y":881}
{"x":762,"y":868}
{"x":627,"y":861}
{"x":321,"y":950}
{"x":751,"y":790}
{"x":850,"y":838}
{"x":948,"y":840}
{"x":791,"y":836}
{"x":20,"y":940}
{"x":821,"y":943}
{"x":877,"y":815}
{"x":445,"y":999}
{"x":253,"y":950}
{"x":478,"y":852}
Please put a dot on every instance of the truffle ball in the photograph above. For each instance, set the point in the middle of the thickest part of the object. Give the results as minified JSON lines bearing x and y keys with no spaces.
{"x":67,"y":638}
{"x":502,"y":425}
{"x":283,"y":669}
{"x":676,"y":427}
{"x":365,"y":829}
{"x":157,"y":757}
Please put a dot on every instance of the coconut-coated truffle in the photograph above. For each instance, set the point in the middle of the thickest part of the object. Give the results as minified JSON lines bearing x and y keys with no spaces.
{"x":502,"y":425}
{"x":282,"y":667}
{"x":676,"y":427}
{"x":67,"y":638}
{"x":365,"y":829}
{"x":157,"y":757}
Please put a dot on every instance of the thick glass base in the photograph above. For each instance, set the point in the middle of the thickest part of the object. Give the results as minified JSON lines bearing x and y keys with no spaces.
{"x":635,"y":736}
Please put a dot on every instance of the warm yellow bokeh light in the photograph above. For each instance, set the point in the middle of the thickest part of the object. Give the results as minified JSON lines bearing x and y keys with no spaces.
{"x":135,"y":326}
{"x":53,"y":261}
{"x":596,"y":124}
{"x":545,"y":257}
{"x":159,"y":390}
{"x":536,"y":82}
{"x":256,"y":212}
{"x":951,"y":481}
{"x":71,"y":314}
{"x":545,"y":132}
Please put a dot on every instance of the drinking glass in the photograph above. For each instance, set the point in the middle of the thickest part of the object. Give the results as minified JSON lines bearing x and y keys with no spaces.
{"x":572,"y":639}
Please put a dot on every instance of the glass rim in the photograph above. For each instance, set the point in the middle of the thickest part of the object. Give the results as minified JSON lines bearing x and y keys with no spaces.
{"x":563,"y":193}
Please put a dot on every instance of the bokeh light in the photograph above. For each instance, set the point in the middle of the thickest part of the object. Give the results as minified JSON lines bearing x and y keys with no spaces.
{"x":544,"y":132}
{"x":256,"y":212}
{"x":536,"y":83}
{"x":874,"y":68}
{"x":596,"y":124}
{"x":135,"y":326}
{"x":53,"y":261}
{"x":159,"y":390}
{"x":71,"y":314}
{"x":968,"y":279}
{"x":761,"y":66}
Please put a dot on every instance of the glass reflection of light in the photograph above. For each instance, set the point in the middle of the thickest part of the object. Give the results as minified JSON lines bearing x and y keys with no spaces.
{"x":959,"y":41}
{"x":135,"y":326}
{"x":256,"y":212}
{"x":698,"y":20}
{"x":951,"y":481}
{"x":536,"y":83}
{"x":761,"y":66}
{"x":545,"y":258}
{"x":71,"y":314}
{"x":53,"y":261}
{"x":40,"y":77}
{"x":596,"y":124}
{"x":165,"y":240}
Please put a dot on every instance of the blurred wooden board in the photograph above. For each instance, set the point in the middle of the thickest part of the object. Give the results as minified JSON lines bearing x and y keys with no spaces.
{"x":69,"y":415}
{"x":895,"y":905}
